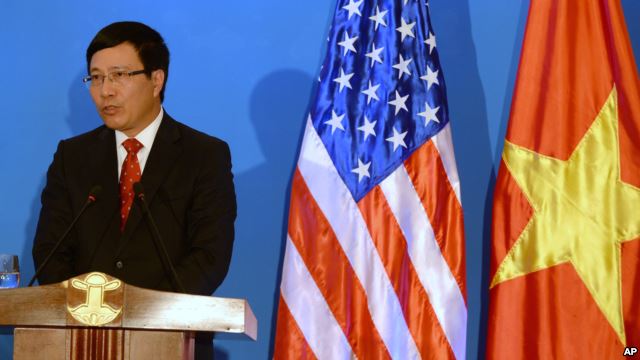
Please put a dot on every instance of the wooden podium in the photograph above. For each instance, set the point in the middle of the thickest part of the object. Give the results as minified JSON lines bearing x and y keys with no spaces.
{"x":95,"y":316}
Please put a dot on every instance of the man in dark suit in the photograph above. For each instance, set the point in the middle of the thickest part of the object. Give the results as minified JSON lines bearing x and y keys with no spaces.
{"x":186,"y":177}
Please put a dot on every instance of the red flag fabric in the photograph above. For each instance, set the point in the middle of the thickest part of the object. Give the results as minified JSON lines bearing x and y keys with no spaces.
{"x":565,"y":266}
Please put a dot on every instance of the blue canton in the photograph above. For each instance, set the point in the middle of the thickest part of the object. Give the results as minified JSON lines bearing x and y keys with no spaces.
{"x":382,"y":93}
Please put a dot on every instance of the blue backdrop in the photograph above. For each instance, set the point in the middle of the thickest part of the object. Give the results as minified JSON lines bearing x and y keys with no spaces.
{"x":244,"y":71}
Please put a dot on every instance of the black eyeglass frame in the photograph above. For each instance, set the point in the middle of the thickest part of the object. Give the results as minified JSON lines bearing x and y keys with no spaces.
{"x":88,"y":80}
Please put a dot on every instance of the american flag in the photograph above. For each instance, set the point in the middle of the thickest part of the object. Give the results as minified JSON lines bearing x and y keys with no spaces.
{"x":374,"y":264}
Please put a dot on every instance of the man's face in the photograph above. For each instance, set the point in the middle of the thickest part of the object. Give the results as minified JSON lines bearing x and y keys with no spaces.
{"x":130,"y":103}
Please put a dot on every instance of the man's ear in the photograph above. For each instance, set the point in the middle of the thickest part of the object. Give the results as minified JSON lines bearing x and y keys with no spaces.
{"x":157,"y":76}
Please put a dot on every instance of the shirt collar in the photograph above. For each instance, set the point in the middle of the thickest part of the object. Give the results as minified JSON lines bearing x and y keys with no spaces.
{"x":147,"y":135}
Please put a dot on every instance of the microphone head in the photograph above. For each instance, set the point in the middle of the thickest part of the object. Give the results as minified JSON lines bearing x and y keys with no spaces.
{"x":138,"y":189}
{"x":94,"y":193}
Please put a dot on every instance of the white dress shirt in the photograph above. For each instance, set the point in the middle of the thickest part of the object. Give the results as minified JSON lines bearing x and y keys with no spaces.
{"x":145,"y":137}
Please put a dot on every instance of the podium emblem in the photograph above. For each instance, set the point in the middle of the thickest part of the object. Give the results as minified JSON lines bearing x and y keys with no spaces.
{"x":94,"y":311}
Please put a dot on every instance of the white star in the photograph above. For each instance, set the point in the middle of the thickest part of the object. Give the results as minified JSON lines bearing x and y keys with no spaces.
{"x":431,"y":41}
{"x":353,"y":8}
{"x":335,"y":122}
{"x":429,"y":113}
{"x":362,"y":170}
{"x":397,"y":139}
{"x":406,"y":29}
{"x":367,"y":128}
{"x":347,"y":43}
{"x":399,"y":102}
{"x":371,"y":92}
{"x":375,"y":55}
{"x":403,"y":66}
{"x":379,"y":18}
{"x":343,"y":80}
{"x":431,"y":77}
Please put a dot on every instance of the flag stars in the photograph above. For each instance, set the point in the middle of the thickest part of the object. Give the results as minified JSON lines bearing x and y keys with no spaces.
{"x":431,"y":41}
{"x":335,"y":122}
{"x":429,"y":114}
{"x":431,"y":77}
{"x":344,"y":80}
{"x":347,"y":43}
{"x":368,"y":128}
{"x":397,"y":139}
{"x":403,"y":66}
{"x":371,"y":92}
{"x":375,"y":55}
{"x":362,"y":170}
{"x":379,"y":18}
{"x":399,"y":102}
{"x":353,"y":8}
{"x":406,"y":29}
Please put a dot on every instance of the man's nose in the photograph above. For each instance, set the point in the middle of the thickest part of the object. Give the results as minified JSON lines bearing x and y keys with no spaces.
{"x":107,"y":88}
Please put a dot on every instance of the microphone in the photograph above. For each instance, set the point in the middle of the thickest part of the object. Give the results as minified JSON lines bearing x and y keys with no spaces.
{"x":157,"y":239}
{"x":91,"y":198}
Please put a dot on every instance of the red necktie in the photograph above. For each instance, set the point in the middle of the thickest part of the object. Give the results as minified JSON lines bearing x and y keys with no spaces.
{"x":129,"y":175}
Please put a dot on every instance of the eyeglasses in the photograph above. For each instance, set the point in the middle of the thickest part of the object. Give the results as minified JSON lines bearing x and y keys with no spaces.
{"x":117,"y":77}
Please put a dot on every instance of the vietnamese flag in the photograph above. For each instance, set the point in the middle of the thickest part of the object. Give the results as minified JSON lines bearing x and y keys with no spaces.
{"x":565,"y":266}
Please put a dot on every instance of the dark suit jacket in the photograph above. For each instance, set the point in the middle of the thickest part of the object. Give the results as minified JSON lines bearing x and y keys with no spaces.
{"x":189,"y":188}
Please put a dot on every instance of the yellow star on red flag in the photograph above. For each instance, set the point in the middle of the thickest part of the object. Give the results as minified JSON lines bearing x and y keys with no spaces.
{"x":582,"y":213}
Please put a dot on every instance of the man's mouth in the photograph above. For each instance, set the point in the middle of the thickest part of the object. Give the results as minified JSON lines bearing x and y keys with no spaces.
{"x":110,"y":109}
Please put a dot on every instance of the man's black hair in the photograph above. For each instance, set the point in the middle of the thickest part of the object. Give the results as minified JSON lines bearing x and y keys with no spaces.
{"x":149,"y":45}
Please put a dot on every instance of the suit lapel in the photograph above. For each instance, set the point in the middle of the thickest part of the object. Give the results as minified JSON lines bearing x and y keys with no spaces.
{"x":165,"y":151}
{"x":102,"y":170}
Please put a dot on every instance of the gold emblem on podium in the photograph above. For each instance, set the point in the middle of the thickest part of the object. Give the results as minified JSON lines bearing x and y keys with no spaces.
{"x":94,"y":311}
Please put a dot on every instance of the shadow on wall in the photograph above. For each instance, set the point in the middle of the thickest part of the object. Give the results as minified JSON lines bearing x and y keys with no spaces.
{"x":477,"y":160}
{"x":513,"y":73}
{"x":474,"y":155}
{"x":82,"y":115}
{"x":631,"y":9}
{"x":278,"y":103}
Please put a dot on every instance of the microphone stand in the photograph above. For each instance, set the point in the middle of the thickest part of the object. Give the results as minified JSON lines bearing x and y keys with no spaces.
{"x":157,"y":239}
{"x":91,"y":198}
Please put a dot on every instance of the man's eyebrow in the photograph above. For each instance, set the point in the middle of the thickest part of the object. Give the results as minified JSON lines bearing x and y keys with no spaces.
{"x":111,"y":68}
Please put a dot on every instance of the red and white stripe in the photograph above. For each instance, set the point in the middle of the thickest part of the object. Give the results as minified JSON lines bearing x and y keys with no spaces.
{"x":380,"y":278}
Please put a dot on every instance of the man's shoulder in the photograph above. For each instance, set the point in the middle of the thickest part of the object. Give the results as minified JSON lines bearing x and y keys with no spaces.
{"x":194,"y":136}
{"x":172,"y":128}
{"x":99,"y":132}
{"x":89,"y":138}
